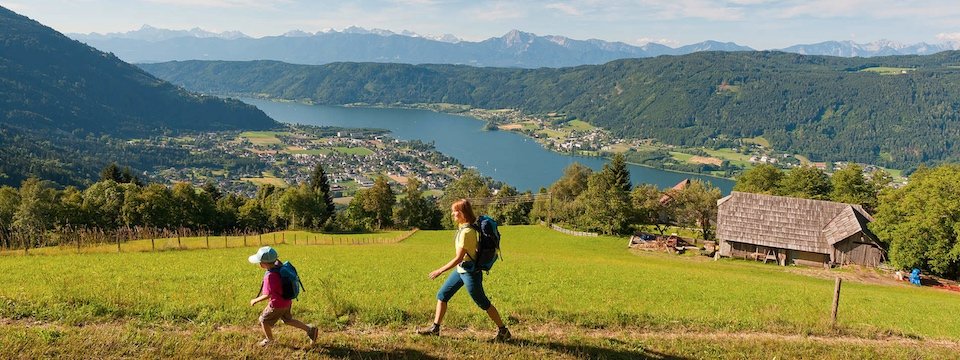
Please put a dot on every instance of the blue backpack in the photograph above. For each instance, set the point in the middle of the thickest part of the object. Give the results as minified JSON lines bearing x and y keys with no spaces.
{"x":289,"y":281}
{"x":488,"y":244}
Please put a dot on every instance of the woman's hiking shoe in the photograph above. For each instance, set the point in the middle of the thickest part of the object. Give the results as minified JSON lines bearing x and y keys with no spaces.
{"x":431,"y":331}
{"x":503,"y":334}
{"x":264,"y":342}
{"x":312,"y":333}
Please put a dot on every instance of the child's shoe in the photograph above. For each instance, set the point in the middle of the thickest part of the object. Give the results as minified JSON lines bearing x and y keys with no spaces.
{"x":264,"y":342}
{"x":503,"y":334}
{"x":312,"y":333}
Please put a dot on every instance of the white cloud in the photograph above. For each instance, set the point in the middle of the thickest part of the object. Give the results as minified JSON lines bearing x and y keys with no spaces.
{"x":500,"y":11}
{"x":565,"y":8}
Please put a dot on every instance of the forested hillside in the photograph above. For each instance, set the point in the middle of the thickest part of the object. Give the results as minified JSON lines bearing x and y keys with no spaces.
{"x":825,"y":108}
{"x":61,"y":102}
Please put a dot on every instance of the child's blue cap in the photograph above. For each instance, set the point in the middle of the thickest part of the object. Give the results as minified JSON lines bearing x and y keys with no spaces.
{"x":266,"y":254}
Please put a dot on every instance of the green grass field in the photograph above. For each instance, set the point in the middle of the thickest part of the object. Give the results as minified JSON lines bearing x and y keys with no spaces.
{"x":263,"y":137}
{"x":564,"y":297}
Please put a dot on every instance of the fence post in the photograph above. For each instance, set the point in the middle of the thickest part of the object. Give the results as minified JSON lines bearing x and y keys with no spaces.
{"x":836,"y":301}
{"x":208,"y":240}
{"x":179,"y":244}
{"x":117,"y":236}
{"x":294,"y":238}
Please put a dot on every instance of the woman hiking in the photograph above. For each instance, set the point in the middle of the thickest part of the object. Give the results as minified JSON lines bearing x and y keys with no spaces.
{"x":465,"y":244}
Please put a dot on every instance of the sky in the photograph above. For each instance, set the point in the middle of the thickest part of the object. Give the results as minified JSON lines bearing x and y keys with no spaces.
{"x":760,"y":24}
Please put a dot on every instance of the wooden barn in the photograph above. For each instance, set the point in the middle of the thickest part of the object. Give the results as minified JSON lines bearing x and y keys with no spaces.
{"x":795,"y":231}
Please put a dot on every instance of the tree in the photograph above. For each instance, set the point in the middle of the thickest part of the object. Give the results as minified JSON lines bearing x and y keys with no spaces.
{"x":619,"y":173}
{"x":252,"y":215}
{"x":469,"y":186}
{"x":9,"y":203}
{"x":806,"y":182}
{"x":379,"y":202}
{"x":320,"y":185}
{"x":697,"y":206}
{"x":605,"y":206}
{"x":763,"y":179}
{"x":103,"y":202}
{"x":645,"y":200}
{"x":850,"y":186}
{"x":35,"y":212}
{"x":153,"y":206}
{"x":414,"y":210}
{"x":921,"y":221}
{"x":510,"y":207}
{"x":195,"y":209}
{"x":565,"y":191}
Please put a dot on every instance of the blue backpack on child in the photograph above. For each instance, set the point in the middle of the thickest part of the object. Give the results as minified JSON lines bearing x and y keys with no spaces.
{"x":488,"y":244}
{"x":289,"y":280}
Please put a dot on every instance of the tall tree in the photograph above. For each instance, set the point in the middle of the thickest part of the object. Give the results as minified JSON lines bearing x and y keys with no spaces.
{"x":605,"y":206}
{"x":379,"y":202}
{"x":646,"y":204}
{"x":763,"y":179}
{"x":103,"y":202}
{"x":698,"y":206}
{"x":619,"y":172}
{"x":35,"y":212}
{"x":469,"y":186}
{"x":414,"y":210}
{"x":806,"y":182}
{"x":321,"y":186}
{"x":510,"y":207}
{"x":921,"y":221}
{"x":9,"y":203}
{"x":850,"y":186}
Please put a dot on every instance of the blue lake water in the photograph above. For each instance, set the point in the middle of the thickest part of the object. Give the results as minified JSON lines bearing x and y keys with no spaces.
{"x":506,"y":156}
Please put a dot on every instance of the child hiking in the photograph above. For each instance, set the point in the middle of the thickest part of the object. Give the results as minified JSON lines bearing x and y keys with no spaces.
{"x":280,"y":287}
{"x":466,"y":244}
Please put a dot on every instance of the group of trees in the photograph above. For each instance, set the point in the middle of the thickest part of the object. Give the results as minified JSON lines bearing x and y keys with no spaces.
{"x":120,"y":200}
{"x":606,"y":202}
{"x":848,"y":184}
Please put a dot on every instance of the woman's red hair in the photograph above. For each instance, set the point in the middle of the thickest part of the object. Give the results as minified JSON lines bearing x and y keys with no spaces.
{"x":463,"y":207}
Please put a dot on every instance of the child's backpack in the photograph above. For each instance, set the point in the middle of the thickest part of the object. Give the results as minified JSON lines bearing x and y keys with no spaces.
{"x":289,"y":280}
{"x":488,"y":244}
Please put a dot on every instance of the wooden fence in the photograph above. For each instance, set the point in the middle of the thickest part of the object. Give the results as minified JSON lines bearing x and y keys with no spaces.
{"x":572,"y":232}
{"x":83,"y":240}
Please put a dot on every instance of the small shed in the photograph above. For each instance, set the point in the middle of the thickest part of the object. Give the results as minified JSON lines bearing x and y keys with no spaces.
{"x":795,"y":231}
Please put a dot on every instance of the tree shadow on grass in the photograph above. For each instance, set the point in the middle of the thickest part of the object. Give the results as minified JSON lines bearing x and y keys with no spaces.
{"x":596,"y":352}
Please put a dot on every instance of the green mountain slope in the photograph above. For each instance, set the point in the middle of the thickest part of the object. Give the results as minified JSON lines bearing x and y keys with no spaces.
{"x":825,"y":108}
{"x":58,"y":97}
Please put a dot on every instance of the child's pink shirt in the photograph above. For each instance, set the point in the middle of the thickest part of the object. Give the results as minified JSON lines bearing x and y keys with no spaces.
{"x":273,"y":287}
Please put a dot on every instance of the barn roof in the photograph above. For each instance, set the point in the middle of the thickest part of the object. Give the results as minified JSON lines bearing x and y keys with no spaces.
{"x":788,"y":223}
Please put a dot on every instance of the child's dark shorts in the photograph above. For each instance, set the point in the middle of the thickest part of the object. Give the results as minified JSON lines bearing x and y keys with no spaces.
{"x":270,"y":315}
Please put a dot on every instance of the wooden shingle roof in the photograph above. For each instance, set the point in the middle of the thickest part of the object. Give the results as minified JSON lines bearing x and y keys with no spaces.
{"x":788,"y":223}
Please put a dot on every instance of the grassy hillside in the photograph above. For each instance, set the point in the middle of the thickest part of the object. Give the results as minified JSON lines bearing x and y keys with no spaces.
{"x":66,"y":109}
{"x":564,"y":296}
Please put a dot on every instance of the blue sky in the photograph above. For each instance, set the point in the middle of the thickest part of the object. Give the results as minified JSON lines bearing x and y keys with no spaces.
{"x":761,"y":24}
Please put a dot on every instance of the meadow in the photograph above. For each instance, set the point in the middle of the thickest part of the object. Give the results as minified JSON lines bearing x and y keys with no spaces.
{"x":563,"y":296}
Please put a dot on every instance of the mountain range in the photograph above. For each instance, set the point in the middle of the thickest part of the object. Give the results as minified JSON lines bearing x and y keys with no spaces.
{"x":354,"y":44}
{"x":62,"y":103}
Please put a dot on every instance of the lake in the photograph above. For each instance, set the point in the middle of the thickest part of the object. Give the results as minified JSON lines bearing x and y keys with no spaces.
{"x":505,"y":156}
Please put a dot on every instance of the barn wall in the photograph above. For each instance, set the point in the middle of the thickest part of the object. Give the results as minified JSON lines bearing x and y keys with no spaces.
{"x":858,"y":250}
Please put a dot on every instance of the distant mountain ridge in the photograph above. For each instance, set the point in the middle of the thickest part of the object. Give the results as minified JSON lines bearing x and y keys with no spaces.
{"x":513,"y":49}
{"x":355,"y":44}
